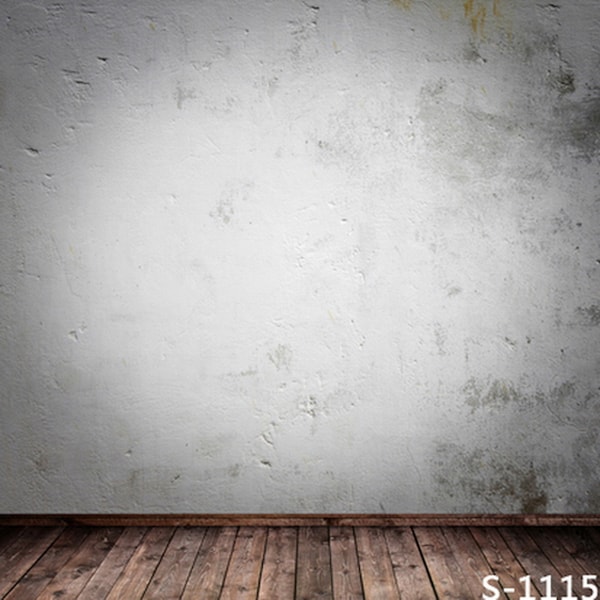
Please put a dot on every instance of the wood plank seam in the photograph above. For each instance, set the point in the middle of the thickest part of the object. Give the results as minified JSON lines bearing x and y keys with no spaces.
{"x":189,"y":574}
{"x":412,"y":530}
{"x":237,"y":530}
{"x":162,"y":554}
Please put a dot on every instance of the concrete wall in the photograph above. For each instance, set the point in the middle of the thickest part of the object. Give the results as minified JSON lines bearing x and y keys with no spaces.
{"x":292,"y":256}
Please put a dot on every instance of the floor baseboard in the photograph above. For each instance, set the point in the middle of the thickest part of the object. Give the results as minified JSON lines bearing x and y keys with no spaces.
{"x":301,"y":520}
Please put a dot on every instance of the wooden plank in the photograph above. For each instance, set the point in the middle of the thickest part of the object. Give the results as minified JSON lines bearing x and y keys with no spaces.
{"x":583,"y":548}
{"x":446,"y":575}
{"x":9,"y":535}
{"x":469,"y":556}
{"x":243,"y":574}
{"x":18,"y":557}
{"x":344,"y":564}
{"x":551,"y":545}
{"x":207,"y":575}
{"x":409,"y":569}
{"x":502,"y":561}
{"x":533,"y":560}
{"x":375,"y":564}
{"x":73,"y":576}
{"x":48,"y":566}
{"x":113,"y":564}
{"x":594,"y":534}
{"x":172,"y":573}
{"x":278,"y":577}
{"x":302,"y":520}
{"x":134,"y":578}
{"x":313,"y":564}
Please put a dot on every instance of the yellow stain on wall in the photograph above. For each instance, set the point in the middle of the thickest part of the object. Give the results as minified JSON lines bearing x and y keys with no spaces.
{"x":444,"y":13}
{"x":476,"y":12}
{"x":479,"y":14}
{"x":496,"y":8}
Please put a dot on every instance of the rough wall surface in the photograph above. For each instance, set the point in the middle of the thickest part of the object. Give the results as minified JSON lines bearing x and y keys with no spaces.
{"x":286,"y":256}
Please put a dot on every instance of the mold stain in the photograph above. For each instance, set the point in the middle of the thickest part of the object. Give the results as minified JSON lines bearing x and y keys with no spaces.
{"x":579,"y":126}
{"x":496,"y":394}
{"x":589,"y":315}
{"x":224,"y":211}
{"x":405,"y":4}
{"x":486,"y":481}
{"x":563,"y":81}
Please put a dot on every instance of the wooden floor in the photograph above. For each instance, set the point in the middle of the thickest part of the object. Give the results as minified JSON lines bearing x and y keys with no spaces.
{"x":294,"y":562}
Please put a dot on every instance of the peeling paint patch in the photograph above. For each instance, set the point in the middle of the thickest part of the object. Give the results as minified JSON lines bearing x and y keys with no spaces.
{"x":75,"y":334}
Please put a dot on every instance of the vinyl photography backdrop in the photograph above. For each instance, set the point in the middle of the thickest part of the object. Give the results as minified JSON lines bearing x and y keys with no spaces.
{"x":286,"y":256}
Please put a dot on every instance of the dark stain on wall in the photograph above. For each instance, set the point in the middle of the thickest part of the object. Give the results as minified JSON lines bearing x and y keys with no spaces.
{"x":585,"y":449}
{"x":486,"y":481}
{"x":580,"y":126}
{"x":593,"y":499}
{"x":493,"y":394}
{"x":499,"y":394}
{"x":589,"y":315}
{"x":562,"y":81}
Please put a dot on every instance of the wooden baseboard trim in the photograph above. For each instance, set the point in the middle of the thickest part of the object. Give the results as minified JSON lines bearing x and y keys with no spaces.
{"x":301,"y":520}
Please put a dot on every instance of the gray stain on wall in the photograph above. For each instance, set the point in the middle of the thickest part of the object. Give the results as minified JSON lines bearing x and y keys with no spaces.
{"x":281,"y":357}
{"x":493,"y":394}
{"x":232,"y":197}
{"x":487,"y":481}
{"x":589,"y":315}
{"x":182,"y":94}
{"x":579,"y":126}
{"x":454,"y":135}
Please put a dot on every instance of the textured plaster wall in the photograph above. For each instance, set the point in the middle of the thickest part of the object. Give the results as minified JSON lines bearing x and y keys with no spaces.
{"x":287,"y":256}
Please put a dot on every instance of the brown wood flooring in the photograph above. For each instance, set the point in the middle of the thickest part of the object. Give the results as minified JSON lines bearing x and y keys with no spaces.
{"x":378,"y":563}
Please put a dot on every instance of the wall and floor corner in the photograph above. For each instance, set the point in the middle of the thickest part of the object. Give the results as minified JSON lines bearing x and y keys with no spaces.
{"x":287,"y":256}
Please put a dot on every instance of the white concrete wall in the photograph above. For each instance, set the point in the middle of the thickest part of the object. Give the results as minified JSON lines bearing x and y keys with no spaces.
{"x":287,"y":256}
